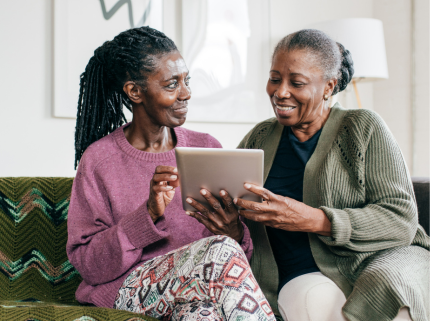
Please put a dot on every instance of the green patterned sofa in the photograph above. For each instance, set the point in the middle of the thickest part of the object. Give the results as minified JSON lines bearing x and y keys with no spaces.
{"x":37,"y":282}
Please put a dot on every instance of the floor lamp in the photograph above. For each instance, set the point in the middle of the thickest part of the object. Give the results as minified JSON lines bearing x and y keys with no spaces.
{"x":364,"y":38}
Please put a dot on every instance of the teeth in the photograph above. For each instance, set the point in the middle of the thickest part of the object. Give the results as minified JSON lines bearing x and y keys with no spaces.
{"x":284,"y":108}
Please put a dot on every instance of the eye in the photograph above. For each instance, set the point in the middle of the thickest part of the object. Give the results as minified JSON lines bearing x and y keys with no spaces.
{"x":187,"y":80}
{"x":274,"y":80}
{"x":173,"y":85}
{"x":298,"y":84}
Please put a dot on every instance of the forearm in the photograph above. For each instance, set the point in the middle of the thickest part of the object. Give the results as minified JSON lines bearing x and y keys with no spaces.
{"x":314,"y":220}
{"x":322,"y":224}
{"x":103,"y":253}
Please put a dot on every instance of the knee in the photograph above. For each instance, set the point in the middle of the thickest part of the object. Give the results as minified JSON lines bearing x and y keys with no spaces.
{"x":311,"y":297}
{"x":220,"y":240}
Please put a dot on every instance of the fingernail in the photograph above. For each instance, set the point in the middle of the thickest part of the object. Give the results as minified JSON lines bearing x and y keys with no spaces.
{"x":169,"y":187}
{"x":189,"y":200}
{"x":222,"y":192}
{"x":173,"y":177}
{"x":247,"y":185}
{"x":203,"y":192}
{"x":161,"y":183}
{"x":175,"y":170}
{"x":235,"y":201}
{"x":188,"y":213}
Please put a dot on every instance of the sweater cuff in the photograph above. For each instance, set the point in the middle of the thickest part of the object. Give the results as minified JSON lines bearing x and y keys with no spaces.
{"x":141,"y":230}
{"x":340,"y":226}
{"x":246,"y":242}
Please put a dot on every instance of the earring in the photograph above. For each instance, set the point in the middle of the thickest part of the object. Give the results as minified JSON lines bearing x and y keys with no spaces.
{"x":325,"y":97}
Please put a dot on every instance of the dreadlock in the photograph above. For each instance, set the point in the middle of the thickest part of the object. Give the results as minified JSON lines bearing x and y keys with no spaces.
{"x":131,"y":55}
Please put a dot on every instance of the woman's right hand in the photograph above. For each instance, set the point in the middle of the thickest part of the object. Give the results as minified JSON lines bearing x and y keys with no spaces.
{"x":162,"y":190}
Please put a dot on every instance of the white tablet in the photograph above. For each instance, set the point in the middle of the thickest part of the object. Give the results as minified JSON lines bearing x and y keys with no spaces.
{"x":215,"y":169}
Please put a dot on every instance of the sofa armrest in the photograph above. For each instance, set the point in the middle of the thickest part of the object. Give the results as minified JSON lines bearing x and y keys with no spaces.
{"x":421,"y":188}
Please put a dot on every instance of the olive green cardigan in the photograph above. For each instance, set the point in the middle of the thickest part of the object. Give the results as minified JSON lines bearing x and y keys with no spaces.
{"x":377,"y":254}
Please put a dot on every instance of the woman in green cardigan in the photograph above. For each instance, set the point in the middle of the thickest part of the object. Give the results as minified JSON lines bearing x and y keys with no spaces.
{"x":339,"y":217}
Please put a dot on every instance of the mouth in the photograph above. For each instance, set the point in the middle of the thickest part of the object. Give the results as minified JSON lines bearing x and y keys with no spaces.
{"x":181,"y":110}
{"x":284,"y":108}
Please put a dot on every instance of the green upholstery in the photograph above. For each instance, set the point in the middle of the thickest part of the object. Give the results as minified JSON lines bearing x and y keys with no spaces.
{"x":37,"y":281}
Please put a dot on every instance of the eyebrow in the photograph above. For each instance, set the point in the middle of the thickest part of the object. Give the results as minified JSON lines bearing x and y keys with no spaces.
{"x":292,"y":74}
{"x":176,"y":76}
{"x":299,"y":74}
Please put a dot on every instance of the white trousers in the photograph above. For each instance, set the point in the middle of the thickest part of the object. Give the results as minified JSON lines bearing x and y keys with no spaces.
{"x":314,"y":297}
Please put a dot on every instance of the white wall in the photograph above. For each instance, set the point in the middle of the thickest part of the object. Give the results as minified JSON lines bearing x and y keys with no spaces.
{"x":33,"y":143}
{"x":403,"y":99}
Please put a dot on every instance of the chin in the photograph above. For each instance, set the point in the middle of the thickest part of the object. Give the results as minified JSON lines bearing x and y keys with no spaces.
{"x":177,"y":122}
{"x":284,"y":121}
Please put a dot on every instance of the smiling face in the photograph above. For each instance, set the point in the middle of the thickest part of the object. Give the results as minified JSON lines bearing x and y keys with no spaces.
{"x":296,"y":88}
{"x":164,"y":99}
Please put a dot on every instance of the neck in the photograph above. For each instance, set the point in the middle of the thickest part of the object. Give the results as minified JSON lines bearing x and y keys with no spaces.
{"x":144,"y":134}
{"x":306,"y":130}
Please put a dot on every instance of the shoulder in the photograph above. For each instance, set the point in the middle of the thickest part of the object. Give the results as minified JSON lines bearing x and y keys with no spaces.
{"x":98,"y":152}
{"x":198,"y":139}
{"x":365,"y":124}
{"x":258,"y":133}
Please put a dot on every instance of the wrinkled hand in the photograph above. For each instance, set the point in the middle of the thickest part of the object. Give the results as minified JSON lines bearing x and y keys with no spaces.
{"x":218,"y":220}
{"x":162,"y":190}
{"x":283,"y":212}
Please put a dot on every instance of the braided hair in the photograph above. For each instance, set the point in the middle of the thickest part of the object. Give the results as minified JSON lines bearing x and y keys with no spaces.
{"x":332,"y":57}
{"x":130,"y":56}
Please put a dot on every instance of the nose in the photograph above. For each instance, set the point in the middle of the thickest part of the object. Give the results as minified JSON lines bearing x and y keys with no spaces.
{"x":283,"y":91}
{"x":184,"y":93}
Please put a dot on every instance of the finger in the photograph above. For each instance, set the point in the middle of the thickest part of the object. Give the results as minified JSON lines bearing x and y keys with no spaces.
{"x":166,"y":169}
{"x":260,"y":191}
{"x":199,"y":207}
{"x":227,"y":200}
{"x":250,"y":205}
{"x":165,"y":177}
{"x":213,"y":202}
{"x":162,"y":188}
{"x":253,"y":216}
{"x":201,"y":218}
{"x":175,"y":183}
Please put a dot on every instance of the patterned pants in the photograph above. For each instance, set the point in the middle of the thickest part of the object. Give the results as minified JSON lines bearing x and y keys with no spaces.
{"x":209,"y":279}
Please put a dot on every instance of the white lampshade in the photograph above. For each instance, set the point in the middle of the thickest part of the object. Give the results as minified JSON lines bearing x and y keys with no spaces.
{"x":364,"y":38}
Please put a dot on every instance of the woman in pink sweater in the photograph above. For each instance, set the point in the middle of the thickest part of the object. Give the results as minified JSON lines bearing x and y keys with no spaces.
{"x":129,"y":238}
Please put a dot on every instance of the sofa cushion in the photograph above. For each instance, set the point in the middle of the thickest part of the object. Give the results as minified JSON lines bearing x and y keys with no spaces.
{"x":50,"y":311}
{"x":33,"y":236}
{"x":37,"y":281}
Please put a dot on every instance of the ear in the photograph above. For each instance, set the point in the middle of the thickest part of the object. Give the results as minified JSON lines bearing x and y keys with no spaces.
{"x":329,"y":87}
{"x":133,"y":92}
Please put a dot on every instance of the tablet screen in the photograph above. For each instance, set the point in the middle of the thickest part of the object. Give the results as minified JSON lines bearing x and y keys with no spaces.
{"x":215,"y":169}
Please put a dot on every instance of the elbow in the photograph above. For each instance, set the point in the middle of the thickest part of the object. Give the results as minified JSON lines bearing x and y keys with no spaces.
{"x":90,"y":275}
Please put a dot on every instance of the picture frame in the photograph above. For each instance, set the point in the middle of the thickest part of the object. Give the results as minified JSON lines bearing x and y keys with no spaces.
{"x":80,"y":26}
{"x":226,"y":45}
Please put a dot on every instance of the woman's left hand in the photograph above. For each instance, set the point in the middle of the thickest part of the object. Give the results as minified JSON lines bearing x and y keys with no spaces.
{"x":219,"y":220}
{"x":283,"y":212}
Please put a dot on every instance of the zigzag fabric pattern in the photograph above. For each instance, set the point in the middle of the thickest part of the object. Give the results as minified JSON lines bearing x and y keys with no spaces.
{"x":37,"y":281}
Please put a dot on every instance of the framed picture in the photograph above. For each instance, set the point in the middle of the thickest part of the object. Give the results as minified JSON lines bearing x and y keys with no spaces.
{"x":80,"y":26}
{"x":226,"y":45}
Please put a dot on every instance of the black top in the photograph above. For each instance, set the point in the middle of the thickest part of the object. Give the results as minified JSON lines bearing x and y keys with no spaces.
{"x":291,"y":249}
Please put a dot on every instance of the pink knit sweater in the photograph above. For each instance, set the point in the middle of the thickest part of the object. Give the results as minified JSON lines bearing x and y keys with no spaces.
{"x":110,"y":230}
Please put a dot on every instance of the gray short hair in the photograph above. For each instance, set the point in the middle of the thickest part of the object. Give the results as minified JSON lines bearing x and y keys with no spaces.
{"x":332,"y":57}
